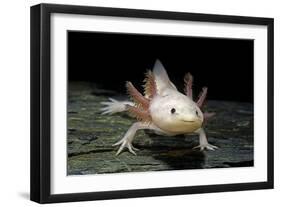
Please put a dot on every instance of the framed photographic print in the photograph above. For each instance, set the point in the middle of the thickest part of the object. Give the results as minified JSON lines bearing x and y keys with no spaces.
{"x":132,"y":103}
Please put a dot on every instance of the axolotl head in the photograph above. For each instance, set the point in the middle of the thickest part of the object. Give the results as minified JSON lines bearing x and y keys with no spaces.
{"x":176,"y":113}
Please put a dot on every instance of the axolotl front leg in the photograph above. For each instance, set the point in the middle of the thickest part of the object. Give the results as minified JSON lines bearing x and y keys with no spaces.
{"x":203,"y":142}
{"x":126,"y":141}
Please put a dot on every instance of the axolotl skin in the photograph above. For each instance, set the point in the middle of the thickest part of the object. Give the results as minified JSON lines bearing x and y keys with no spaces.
{"x":162,"y":109}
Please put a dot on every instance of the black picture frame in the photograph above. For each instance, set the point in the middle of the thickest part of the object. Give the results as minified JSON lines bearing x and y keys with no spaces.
{"x":41,"y":96}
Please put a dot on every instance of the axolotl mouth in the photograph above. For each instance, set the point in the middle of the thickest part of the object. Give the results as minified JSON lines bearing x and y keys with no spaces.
{"x":182,"y":126}
{"x":188,"y":121}
{"x":191,"y":124}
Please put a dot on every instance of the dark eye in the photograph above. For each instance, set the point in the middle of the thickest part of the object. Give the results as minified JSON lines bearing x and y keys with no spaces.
{"x":197,"y":114}
{"x":173,"y":110}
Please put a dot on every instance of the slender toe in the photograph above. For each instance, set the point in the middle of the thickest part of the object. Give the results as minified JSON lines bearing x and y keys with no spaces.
{"x":120,"y":149}
{"x":118,"y":143}
{"x":136,"y":149}
{"x":112,"y":100}
{"x":130,"y":149}
{"x":106,"y":103}
{"x":208,"y":147}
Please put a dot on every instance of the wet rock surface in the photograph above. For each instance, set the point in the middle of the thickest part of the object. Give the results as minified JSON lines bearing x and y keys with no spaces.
{"x":91,"y":135}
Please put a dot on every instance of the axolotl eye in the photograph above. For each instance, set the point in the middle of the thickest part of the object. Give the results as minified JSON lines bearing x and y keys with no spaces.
{"x":173,"y":110}
{"x":197,"y":114}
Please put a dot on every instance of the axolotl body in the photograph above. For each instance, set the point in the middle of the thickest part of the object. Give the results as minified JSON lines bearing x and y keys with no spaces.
{"x":163,"y":109}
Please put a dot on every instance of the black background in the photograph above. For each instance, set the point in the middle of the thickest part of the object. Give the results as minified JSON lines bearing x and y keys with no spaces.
{"x":225,"y":66}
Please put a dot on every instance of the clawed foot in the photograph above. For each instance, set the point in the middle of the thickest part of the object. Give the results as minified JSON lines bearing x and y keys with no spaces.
{"x":206,"y":146}
{"x":124,"y":143}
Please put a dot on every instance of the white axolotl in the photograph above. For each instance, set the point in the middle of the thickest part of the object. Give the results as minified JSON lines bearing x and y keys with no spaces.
{"x":163,"y":109}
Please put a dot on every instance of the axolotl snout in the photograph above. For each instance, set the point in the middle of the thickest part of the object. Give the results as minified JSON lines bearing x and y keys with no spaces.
{"x":162,"y":109}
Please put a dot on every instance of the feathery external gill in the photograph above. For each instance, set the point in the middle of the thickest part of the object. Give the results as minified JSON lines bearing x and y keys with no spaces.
{"x":188,"y":81}
{"x":137,"y":97}
{"x":141,"y":109}
{"x":138,"y":113}
{"x":202,"y":96}
{"x":150,"y":88}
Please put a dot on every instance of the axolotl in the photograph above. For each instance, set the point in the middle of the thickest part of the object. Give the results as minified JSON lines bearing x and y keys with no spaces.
{"x":162,"y":109}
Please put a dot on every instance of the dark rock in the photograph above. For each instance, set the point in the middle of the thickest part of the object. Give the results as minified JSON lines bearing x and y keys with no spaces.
{"x":91,"y":135}
{"x":88,"y":138}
